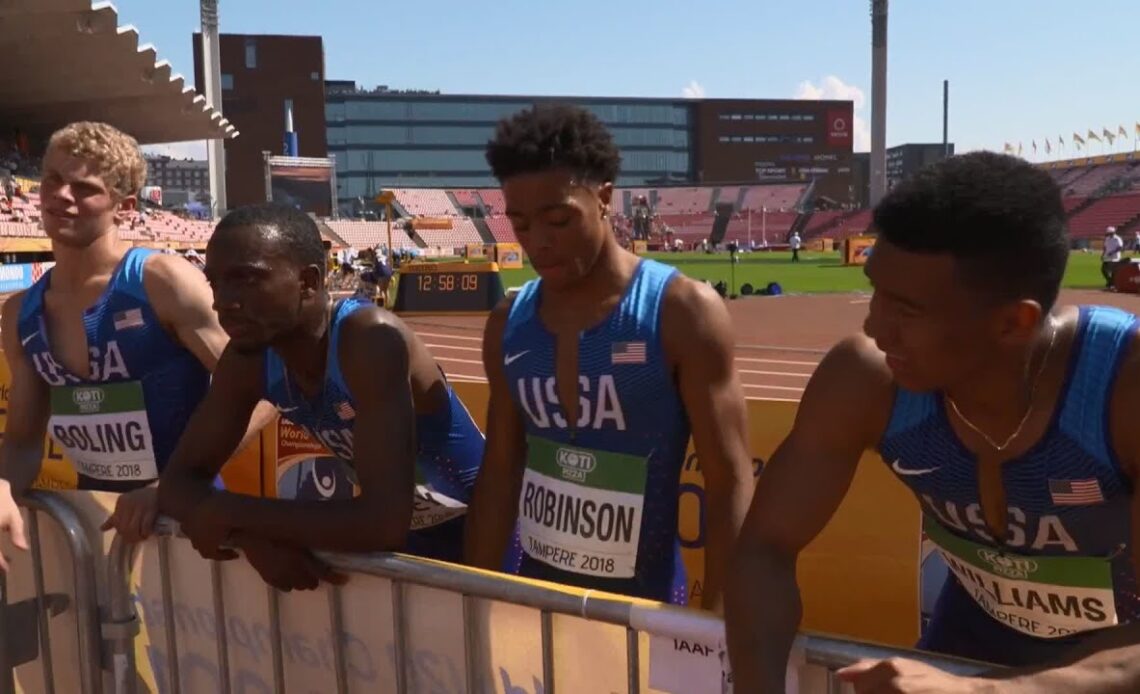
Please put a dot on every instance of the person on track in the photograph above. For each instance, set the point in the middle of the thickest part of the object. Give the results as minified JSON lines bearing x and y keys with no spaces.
{"x":598,"y":370}
{"x":1010,"y":419}
{"x":111,"y":349}
{"x":350,"y":373}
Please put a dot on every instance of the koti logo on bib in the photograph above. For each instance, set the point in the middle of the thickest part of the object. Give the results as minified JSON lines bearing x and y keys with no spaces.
{"x":1013,"y":567}
{"x":87,"y":399}
{"x":576,"y":464}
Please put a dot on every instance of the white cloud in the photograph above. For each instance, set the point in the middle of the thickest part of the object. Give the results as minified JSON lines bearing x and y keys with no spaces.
{"x":693,"y":90}
{"x":831,"y":87}
{"x":178,"y":150}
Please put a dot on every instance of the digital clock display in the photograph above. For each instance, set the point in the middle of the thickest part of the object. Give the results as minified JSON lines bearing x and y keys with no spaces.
{"x":449,"y":288}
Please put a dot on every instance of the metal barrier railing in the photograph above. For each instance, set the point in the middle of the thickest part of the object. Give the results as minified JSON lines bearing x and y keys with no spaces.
{"x":86,"y":597}
{"x":121,"y":625}
{"x":401,"y":571}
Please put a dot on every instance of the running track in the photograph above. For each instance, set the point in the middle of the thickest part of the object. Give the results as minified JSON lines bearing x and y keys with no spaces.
{"x":780,"y":340}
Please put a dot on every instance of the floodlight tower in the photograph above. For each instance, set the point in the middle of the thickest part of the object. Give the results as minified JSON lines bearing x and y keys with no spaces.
{"x":212,"y":88}
{"x":878,"y":100}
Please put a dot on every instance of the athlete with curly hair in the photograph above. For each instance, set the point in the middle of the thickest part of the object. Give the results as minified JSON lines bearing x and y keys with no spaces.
{"x":599,"y":370}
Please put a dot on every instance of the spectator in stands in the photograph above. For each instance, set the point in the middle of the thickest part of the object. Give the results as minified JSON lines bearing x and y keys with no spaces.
{"x":128,"y":333}
{"x":1111,"y":255}
{"x":354,"y":376}
{"x":641,"y":353}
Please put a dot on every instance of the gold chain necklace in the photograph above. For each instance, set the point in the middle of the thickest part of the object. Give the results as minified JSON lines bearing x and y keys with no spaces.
{"x":1028,"y":409}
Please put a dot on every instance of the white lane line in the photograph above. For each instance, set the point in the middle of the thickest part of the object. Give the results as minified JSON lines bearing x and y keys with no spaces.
{"x":787,"y":388}
{"x":453,"y":347}
{"x":784,"y":362}
{"x":449,"y":336}
{"x":784,"y":374}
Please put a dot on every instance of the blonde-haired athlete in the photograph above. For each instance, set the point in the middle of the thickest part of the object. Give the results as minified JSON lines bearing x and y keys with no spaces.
{"x":112,"y":349}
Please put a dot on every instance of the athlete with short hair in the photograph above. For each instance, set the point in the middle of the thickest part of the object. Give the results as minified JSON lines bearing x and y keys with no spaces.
{"x":1010,"y":419}
{"x":598,"y":370}
{"x":111,"y":350}
{"x":350,"y":373}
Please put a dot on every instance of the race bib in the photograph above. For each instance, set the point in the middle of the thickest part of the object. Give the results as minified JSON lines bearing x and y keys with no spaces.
{"x":103,"y":428}
{"x":580,"y":509}
{"x":1046,"y":597}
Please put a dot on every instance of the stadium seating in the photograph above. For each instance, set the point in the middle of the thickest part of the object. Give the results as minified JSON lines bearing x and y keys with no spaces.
{"x":683,"y":200}
{"x":461,"y":233}
{"x":425,"y":202}
{"x":777,"y":197}
{"x":493,"y":201}
{"x":360,"y":234}
{"x":1114,"y":210}
{"x":501,"y":229}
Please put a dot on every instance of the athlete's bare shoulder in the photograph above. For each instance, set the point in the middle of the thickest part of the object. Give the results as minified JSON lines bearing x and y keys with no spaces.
{"x":10,"y":319}
{"x":852,"y":383}
{"x":693,"y":313}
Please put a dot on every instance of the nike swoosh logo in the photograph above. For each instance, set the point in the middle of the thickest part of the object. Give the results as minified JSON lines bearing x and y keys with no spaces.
{"x":511,"y":358}
{"x":910,"y":471}
{"x":287,"y":409}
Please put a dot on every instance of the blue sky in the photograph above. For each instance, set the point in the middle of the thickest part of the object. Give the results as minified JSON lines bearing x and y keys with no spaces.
{"x":1018,"y":69}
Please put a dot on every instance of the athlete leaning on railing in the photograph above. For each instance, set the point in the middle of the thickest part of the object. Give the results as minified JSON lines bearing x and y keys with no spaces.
{"x":1011,"y":420}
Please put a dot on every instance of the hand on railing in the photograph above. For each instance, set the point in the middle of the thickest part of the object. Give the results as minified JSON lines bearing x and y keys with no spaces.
{"x":905,"y":676}
{"x":286,"y":567}
{"x":135,"y":514}
{"x":11,"y":522}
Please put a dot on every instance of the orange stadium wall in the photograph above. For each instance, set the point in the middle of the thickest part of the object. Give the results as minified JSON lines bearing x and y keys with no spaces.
{"x":859,"y":578}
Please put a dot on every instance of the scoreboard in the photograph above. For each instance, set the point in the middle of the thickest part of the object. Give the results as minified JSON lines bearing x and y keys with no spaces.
{"x":458,"y":288}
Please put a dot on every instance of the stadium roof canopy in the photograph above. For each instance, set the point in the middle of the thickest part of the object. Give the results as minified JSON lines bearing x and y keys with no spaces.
{"x":69,"y":60}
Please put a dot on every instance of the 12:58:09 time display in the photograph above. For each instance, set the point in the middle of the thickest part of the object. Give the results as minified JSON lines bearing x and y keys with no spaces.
{"x":448,"y":282}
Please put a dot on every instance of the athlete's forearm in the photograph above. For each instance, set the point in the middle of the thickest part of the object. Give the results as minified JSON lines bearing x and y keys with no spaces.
{"x":181,"y":490}
{"x":20,"y":464}
{"x":722,"y":528}
{"x":349,"y":525}
{"x":1107,"y":663}
{"x":491,"y":518}
{"x":762,"y":614}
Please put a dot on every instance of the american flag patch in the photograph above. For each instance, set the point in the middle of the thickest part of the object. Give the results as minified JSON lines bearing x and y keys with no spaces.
{"x":627,"y":353}
{"x":131,"y":318}
{"x":344,"y":410}
{"x":1075,"y":492}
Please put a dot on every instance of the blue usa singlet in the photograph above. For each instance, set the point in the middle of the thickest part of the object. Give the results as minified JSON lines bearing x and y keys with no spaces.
{"x":599,"y":500}
{"x":1065,"y":567}
{"x":449,"y":445}
{"x":119,"y":426}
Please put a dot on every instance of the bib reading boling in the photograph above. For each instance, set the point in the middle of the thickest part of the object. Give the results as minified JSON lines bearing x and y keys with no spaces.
{"x":103,"y":428}
{"x":580,"y":509}
{"x":1046,"y":597}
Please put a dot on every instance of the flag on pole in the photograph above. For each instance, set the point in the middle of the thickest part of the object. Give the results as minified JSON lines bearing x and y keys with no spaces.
{"x":1093,"y":136}
{"x":1109,"y":135}
{"x":1048,"y":147}
{"x":1121,"y":131}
